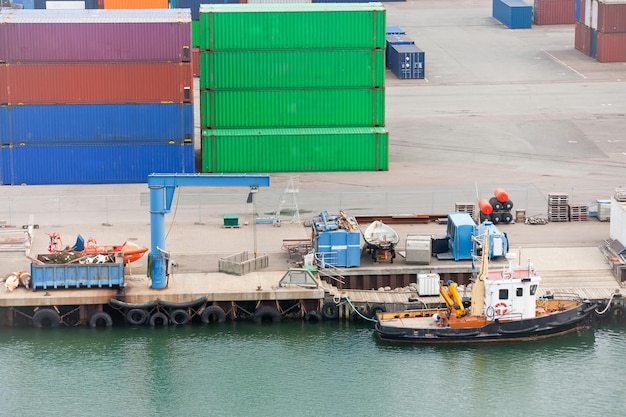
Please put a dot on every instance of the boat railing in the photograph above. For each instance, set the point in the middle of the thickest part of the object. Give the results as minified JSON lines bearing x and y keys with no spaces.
{"x":327,"y":270}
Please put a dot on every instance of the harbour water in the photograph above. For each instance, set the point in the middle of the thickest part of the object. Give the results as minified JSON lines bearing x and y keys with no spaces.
{"x":303,"y":369}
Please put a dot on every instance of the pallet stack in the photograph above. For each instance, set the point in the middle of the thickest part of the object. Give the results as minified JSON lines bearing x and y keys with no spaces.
{"x":558,"y":207}
{"x":578,"y":212}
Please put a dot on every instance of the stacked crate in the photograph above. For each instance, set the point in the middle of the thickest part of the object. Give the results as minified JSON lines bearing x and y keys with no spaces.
{"x":299,"y":88}
{"x":558,"y":207}
{"x":578,"y":212}
{"x":600,"y":30}
{"x":94,"y":96}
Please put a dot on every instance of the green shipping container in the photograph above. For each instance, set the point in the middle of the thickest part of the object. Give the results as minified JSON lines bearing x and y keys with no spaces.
{"x":292,"y":26}
{"x":292,"y":68}
{"x":356,"y":107}
{"x":195,"y":34}
{"x":295,"y":150}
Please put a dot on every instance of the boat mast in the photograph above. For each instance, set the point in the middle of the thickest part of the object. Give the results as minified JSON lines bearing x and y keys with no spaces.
{"x":478,"y":288}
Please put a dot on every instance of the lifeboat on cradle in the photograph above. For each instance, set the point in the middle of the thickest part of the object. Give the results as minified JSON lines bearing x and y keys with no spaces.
{"x":131,"y":251}
{"x":378,"y":235}
{"x":504,"y":307}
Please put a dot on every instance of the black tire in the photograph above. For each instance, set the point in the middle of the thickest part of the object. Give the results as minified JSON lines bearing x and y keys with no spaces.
{"x":46,"y":317}
{"x":101,"y":319}
{"x":375,"y":309}
{"x":313,"y":316}
{"x":507,"y":205}
{"x":617,"y":312}
{"x":496,"y":218}
{"x":213,"y":314}
{"x":507,"y":218}
{"x":484,"y":217}
{"x":158,"y":319}
{"x":179,"y":317}
{"x":497,"y":205}
{"x":356,"y":316}
{"x":330,"y":310}
{"x":136,"y":316}
{"x":266,"y":314}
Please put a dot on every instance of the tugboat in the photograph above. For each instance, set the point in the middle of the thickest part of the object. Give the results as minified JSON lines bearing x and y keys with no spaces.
{"x":381,"y":241}
{"x":504,"y":307}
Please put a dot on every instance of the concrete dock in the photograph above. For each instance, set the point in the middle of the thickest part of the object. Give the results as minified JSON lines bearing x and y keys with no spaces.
{"x":516,"y":109}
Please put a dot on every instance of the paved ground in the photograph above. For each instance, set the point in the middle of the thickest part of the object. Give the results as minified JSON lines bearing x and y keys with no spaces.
{"x":518,"y":109}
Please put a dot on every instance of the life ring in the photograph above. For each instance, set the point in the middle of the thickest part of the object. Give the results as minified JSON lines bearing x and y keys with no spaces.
{"x":501,"y":309}
{"x":101,"y":319}
{"x":617,"y":312}
{"x":375,"y":309}
{"x":266,"y":313}
{"x":313,"y":316}
{"x":179,"y":316}
{"x":158,"y":319}
{"x":213,"y":314}
{"x":136,"y":316}
{"x":330,"y":310}
{"x":46,"y":317}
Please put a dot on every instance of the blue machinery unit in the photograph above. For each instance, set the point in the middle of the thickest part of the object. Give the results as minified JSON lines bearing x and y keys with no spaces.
{"x":465,"y":237}
{"x":162,"y":187}
{"x":337,"y":240}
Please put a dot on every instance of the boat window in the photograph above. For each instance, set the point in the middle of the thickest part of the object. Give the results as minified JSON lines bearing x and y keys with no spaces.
{"x":519,"y":292}
{"x":504,"y":294}
{"x":533,"y":289}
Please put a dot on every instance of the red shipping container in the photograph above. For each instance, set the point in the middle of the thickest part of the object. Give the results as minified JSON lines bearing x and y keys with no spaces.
{"x":96,"y":83}
{"x":195,"y":61}
{"x":611,"y":16}
{"x":611,"y":47}
{"x":554,"y":12}
{"x":582,"y":38}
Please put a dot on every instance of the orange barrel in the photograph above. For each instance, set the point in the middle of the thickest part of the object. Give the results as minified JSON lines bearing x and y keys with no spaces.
{"x":485,"y":207}
{"x":501,"y":195}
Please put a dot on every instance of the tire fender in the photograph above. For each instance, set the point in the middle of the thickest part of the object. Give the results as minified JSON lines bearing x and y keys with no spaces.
{"x":266,"y":313}
{"x":158,"y":319}
{"x":375,"y":309}
{"x":313,"y":316}
{"x":46,"y":317}
{"x":330,"y":310}
{"x":101,"y":319}
{"x":213,"y":314}
{"x":136,"y":316}
{"x":179,"y":316}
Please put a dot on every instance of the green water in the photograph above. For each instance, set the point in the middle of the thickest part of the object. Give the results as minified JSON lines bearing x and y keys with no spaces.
{"x":303,"y":369}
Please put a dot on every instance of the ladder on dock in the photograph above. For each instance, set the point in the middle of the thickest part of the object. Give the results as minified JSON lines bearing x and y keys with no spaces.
{"x":288,"y":200}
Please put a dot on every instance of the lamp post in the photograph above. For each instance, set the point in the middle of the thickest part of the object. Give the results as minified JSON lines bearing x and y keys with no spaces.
{"x":253,"y":190}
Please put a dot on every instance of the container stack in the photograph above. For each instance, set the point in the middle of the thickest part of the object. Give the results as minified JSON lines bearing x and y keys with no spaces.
{"x":403,"y":57}
{"x":554,"y":12}
{"x":600,"y":30}
{"x":94,"y":96}
{"x":275,"y":98}
{"x":558,"y":207}
{"x":57,"y":5}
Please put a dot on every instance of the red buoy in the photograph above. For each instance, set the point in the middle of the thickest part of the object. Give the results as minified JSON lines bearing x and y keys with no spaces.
{"x":485,"y":207}
{"x":501,"y":195}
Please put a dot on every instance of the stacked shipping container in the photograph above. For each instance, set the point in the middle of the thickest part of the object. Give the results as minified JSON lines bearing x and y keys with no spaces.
{"x":102,"y":96}
{"x":403,"y":57}
{"x":601,"y":29}
{"x":554,"y":12}
{"x":299,"y":88}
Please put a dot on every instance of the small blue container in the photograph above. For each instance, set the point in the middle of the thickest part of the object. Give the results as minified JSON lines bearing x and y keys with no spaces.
{"x":514,"y":14}
{"x":407,"y":61}
{"x":394,"y":30}
{"x":51,"y":276}
{"x":395,"y":39}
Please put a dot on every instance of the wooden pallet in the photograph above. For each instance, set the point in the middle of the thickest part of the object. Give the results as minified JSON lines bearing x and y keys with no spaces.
{"x":558,"y":199}
{"x":558,"y":213}
{"x":578,"y":212}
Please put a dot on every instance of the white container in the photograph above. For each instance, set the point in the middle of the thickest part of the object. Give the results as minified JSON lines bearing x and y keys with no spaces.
{"x":604,"y":210}
{"x":418,"y":249}
{"x":428,"y":284}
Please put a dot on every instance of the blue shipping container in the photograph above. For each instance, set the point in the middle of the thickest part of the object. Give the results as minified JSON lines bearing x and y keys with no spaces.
{"x":26,"y":4}
{"x":407,"y":61}
{"x":394,"y":30}
{"x":460,"y":230}
{"x":594,"y":44}
{"x":92,"y":163}
{"x":395,"y":39}
{"x":100,"y":123}
{"x":514,"y":14}
{"x":577,"y":5}
{"x":50,"y":276}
